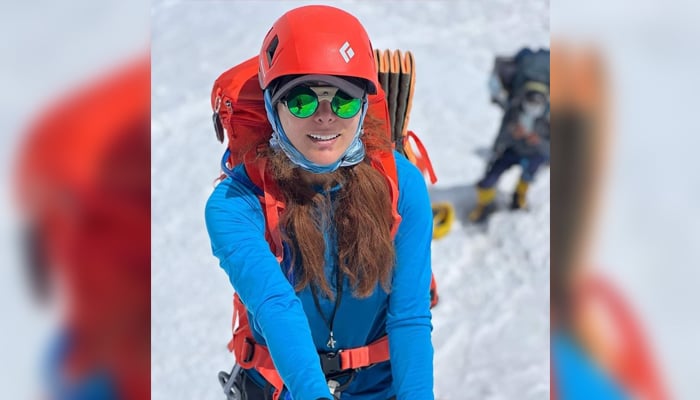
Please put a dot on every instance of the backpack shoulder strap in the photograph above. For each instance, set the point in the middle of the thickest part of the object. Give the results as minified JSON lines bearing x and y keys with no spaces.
{"x":271,"y":202}
{"x":385,"y":163}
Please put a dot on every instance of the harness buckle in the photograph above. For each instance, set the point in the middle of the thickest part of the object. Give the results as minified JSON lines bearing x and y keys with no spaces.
{"x":331,"y":363}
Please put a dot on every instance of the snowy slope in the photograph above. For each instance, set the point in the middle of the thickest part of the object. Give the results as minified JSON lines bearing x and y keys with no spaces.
{"x":491,"y":327}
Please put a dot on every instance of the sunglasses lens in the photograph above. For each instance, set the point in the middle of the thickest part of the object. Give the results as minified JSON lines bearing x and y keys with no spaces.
{"x":302,"y":102}
{"x":345,"y":106}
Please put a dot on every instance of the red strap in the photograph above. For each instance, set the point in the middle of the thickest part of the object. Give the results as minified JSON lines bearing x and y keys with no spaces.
{"x":271,"y":203}
{"x":387,"y":164}
{"x":420,"y":159}
{"x":250,"y":354}
{"x":365,"y":356}
{"x":434,"y":298}
{"x":273,"y":207}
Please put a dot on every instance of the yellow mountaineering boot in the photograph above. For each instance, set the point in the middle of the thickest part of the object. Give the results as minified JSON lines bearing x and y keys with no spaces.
{"x":520,"y":195}
{"x":484,"y":204}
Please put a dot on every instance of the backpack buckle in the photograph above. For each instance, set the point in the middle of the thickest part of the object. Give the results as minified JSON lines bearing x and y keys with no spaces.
{"x":249,"y":353}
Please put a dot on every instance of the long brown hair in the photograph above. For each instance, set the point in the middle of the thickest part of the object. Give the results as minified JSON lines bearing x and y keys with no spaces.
{"x":361,"y":215}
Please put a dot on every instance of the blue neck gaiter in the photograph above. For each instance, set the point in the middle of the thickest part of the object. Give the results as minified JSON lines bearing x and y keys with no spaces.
{"x":352,"y":155}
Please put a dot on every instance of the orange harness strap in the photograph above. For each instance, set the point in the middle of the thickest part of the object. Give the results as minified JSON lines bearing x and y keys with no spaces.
{"x":361,"y":357}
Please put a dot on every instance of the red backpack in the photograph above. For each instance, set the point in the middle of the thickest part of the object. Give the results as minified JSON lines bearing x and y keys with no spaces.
{"x":239,"y":115}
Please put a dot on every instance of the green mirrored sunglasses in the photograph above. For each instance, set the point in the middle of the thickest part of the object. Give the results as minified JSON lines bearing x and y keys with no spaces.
{"x":302,"y":101}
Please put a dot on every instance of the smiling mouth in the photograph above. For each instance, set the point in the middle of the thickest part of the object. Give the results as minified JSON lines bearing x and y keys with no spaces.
{"x":323,"y":138}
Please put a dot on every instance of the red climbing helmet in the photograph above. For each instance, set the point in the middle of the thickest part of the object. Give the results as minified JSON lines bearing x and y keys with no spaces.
{"x":318,"y":40}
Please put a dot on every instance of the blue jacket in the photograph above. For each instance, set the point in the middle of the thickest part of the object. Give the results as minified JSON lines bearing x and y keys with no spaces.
{"x":577,"y":376}
{"x":289,"y":324}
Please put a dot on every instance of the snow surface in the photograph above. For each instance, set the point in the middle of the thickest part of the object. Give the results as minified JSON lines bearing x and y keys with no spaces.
{"x":491,"y":328}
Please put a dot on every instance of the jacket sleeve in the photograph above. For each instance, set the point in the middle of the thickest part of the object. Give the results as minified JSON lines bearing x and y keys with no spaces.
{"x":236,"y":227}
{"x":409,"y":318}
